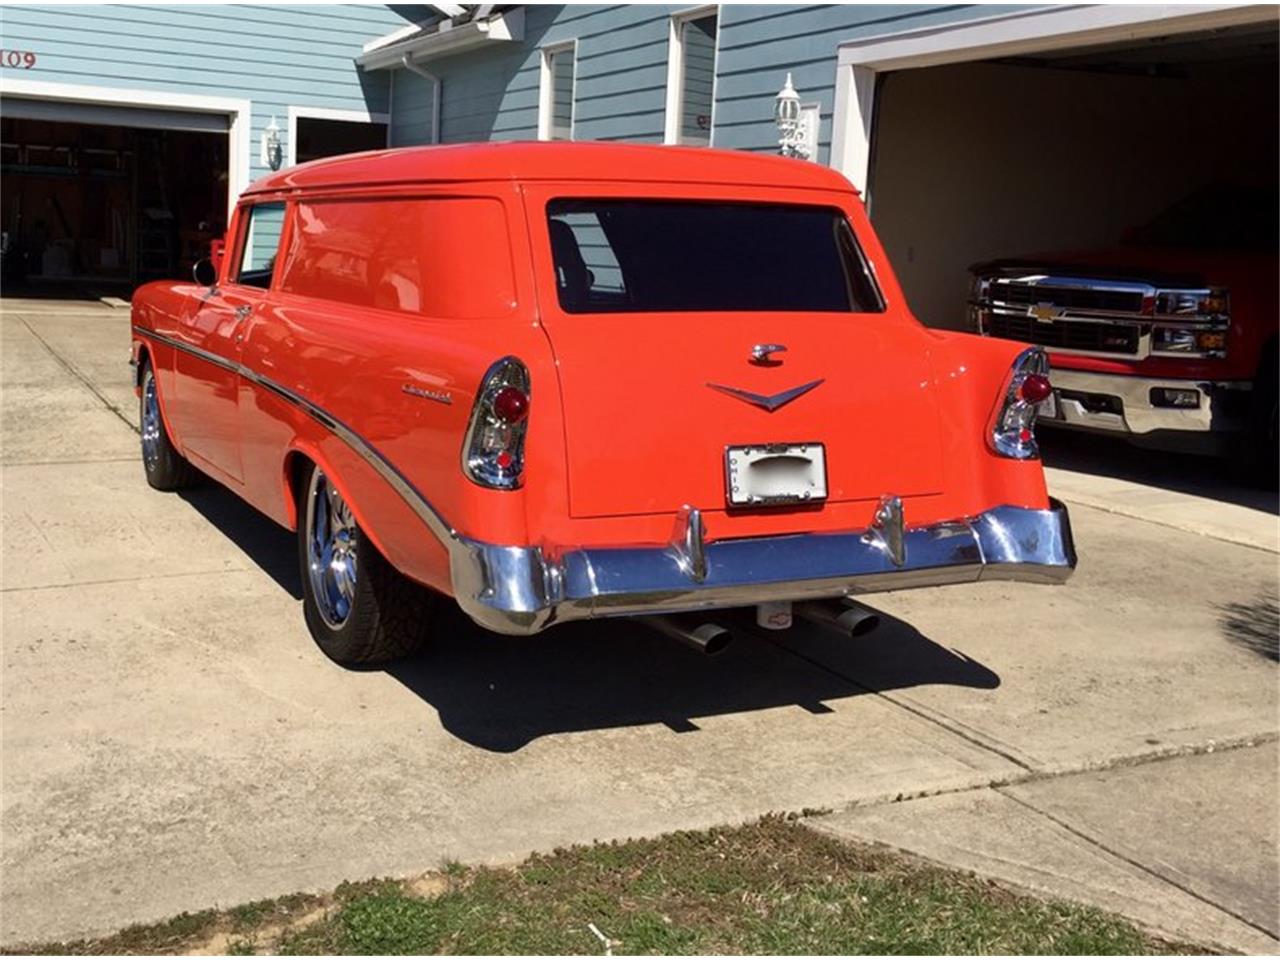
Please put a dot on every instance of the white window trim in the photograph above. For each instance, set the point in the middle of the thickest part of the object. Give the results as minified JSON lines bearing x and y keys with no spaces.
{"x":675,"y":66}
{"x":546,"y":92}
{"x":238,"y":113}
{"x":859,"y":62}
{"x":324,"y":113}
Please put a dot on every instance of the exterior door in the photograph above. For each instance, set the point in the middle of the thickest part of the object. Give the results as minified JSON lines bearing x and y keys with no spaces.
{"x":208,"y":377}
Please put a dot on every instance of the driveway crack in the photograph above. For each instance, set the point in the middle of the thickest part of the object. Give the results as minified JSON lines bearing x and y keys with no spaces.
{"x":88,"y":384}
{"x":1132,"y":861}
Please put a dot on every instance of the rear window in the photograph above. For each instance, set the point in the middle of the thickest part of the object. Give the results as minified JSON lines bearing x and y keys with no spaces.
{"x":645,"y":256}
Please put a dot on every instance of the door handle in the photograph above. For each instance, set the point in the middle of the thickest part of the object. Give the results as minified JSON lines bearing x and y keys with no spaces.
{"x":243,"y":311}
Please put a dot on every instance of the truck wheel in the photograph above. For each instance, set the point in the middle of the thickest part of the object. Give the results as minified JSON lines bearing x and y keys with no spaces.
{"x":1264,"y":427}
{"x":358,"y":607}
{"x":165,"y":467}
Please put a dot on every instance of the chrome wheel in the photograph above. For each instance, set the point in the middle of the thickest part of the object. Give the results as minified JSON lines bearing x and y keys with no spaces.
{"x":151,"y":423}
{"x":331,"y":551}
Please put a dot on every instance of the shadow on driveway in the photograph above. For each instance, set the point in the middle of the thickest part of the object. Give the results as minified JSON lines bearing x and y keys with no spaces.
{"x":1102,"y":456}
{"x":1254,"y":625}
{"x":500,"y":693}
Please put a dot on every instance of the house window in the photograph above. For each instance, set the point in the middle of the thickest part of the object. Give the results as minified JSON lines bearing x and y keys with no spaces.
{"x":555,"y":100}
{"x":691,"y":72}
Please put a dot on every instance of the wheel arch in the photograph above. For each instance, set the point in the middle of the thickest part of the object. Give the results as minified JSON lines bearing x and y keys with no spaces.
{"x":303,"y":454}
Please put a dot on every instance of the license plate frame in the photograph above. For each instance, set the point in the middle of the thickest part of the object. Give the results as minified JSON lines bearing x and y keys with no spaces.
{"x":743,"y":489}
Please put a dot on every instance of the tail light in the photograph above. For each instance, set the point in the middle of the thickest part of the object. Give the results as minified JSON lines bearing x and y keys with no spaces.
{"x":493,"y":452}
{"x":1012,"y":429}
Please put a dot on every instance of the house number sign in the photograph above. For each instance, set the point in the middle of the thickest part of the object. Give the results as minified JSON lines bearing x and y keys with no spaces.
{"x":18,"y":59}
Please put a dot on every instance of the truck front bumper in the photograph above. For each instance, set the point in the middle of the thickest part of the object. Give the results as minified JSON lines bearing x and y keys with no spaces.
{"x":521,"y":590}
{"x":1115,"y":403}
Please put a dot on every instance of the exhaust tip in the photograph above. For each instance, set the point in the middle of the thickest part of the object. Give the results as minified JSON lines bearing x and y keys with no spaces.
{"x":864,"y":626}
{"x":705,"y":637}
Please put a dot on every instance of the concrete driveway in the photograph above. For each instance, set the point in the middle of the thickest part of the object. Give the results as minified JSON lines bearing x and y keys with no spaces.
{"x":173,"y":740}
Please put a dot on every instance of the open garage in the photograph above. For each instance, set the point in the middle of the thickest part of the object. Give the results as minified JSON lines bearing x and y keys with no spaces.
{"x":1065,"y":150}
{"x":106,"y":196}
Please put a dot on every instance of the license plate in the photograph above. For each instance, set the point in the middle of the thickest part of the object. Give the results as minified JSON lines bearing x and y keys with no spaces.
{"x":775,"y":473}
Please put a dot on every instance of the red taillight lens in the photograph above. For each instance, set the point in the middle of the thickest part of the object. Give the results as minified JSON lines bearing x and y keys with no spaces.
{"x":493,"y":452}
{"x":1035,"y":388}
{"x":1011,"y":432}
{"x":511,"y":405}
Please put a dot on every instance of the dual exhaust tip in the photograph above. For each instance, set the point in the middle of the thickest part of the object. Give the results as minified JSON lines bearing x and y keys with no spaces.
{"x":710,"y":638}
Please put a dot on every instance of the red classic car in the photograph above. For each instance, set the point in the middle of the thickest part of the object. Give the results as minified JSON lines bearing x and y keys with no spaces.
{"x":558,"y":381}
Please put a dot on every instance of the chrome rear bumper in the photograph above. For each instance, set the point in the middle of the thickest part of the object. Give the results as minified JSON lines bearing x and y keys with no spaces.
{"x":522,"y":590}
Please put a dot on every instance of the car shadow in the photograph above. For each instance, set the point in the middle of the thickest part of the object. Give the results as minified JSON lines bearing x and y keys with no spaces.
{"x":266,"y":543}
{"x":501,"y":693}
{"x":1102,"y":456}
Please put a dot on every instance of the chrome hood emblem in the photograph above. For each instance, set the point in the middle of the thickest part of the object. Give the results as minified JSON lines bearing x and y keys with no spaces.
{"x":770,"y":403}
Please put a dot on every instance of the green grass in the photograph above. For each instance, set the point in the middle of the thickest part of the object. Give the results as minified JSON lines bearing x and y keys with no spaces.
{"x":773,"y":887}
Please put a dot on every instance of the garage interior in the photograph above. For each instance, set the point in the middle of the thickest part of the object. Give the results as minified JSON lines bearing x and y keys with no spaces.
{"x":1069,"y":150}
{"x":98,"y":207}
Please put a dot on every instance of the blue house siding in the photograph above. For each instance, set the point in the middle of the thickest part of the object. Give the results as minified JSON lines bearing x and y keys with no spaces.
{"x":493,"y":94}
{"x":273,"y":56}
{"x":622,"y":71}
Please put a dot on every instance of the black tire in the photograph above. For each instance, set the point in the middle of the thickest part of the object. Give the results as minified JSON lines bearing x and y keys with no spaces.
{"x":385,"y":617}
{"x":1263,"y":450}
{"x":164,"y":466}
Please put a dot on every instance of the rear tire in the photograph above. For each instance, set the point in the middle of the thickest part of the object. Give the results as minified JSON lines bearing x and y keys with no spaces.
{"x":165,"y":467}
{"x":359,"y":608}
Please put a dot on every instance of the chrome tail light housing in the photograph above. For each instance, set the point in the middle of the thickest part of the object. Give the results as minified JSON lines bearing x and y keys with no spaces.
{"x":493,"y":450}
{"x":1012,"y":430}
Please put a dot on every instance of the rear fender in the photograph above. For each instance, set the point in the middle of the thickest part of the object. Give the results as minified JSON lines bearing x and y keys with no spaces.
{"x":970,"y":373}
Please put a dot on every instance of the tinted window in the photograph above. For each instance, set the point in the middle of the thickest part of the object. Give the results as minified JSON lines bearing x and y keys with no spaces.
{"x":660,"y":256}
{"x":262,"y":240}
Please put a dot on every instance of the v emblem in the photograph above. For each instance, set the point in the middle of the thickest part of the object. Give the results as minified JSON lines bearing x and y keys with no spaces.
{"x":770,"y":403}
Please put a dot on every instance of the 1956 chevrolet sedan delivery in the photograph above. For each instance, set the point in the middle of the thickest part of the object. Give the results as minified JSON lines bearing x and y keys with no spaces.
{"x":558,"y":381}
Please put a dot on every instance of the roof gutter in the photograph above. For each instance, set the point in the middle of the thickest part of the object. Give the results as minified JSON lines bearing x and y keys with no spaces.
{"x":445,"y":40}
{"x":406,"y":61}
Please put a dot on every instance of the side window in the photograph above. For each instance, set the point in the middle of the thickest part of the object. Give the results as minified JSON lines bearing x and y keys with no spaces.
{"x":262,"y":241}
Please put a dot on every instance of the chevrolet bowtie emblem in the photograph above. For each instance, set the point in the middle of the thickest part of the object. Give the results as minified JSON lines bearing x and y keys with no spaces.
{"x":770,"y":403}
{"x":1045,"y":312}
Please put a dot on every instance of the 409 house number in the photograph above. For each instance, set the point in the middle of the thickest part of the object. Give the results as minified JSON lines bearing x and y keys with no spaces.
{"x":18,"y":59}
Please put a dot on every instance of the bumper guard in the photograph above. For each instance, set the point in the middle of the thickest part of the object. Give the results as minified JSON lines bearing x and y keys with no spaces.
{"x":522,"y":590}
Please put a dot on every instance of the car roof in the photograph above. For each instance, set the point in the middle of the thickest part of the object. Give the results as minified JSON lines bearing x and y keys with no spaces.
{"x":538,"y":160}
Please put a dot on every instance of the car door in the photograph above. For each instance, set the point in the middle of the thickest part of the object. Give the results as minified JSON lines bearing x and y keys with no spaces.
{"x":208,"y":378}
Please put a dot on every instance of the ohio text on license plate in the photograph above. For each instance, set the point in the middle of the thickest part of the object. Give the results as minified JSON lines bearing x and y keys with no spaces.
{"x":775,"y":473}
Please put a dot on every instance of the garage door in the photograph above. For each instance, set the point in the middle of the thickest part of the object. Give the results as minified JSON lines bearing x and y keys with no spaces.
{"x":1059,"y":154}
{"x":98,"y":197}
{"x":138,"y":117}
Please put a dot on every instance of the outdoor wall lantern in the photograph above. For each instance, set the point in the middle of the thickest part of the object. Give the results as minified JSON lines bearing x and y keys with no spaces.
{"x":272,"y":153}
{"x":797,"y":123}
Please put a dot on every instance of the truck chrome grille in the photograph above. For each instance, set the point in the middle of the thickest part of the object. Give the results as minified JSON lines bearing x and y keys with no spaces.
{"x":1017,"y":293}
{"x":1114,"y":338}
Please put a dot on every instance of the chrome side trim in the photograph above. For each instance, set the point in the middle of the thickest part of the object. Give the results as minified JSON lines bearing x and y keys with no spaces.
{"x":410,"y":494}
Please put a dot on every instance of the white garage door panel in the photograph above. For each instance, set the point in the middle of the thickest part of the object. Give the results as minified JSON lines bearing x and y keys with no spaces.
{"x":63,"y":111}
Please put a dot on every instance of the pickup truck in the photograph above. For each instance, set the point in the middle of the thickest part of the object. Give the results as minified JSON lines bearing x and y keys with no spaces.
{"x":1169,"y":339}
